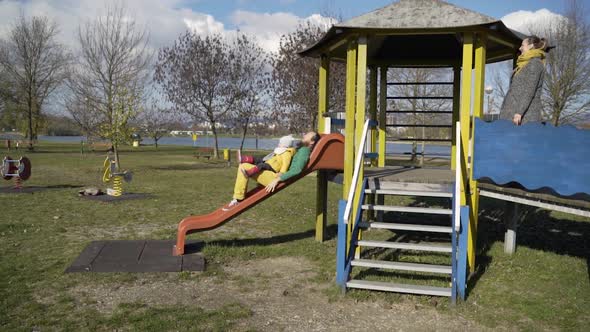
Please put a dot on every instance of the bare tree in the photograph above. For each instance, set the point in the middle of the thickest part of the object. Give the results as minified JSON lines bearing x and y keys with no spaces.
{"x":500,"y":79}
{"x":295,"y":80}
{"x":567,"y":87}
{"x":416,"y":112}
{"x":202,"y":77}
{"x":81,"y":111}
{"x":253,"y":80}
{"x":156,"y":121}
{"x":34,"y":64}
{"x":110,"y":79}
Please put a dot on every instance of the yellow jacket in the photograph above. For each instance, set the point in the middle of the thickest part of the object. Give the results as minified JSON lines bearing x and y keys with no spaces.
{"x":280,"y":162}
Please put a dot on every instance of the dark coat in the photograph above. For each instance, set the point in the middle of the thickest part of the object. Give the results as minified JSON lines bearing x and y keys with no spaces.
{"x":524,"y":93}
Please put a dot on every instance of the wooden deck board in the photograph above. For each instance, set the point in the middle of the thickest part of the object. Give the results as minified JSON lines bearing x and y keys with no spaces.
{"x":411,"y":174}
{"x":432,"y":178}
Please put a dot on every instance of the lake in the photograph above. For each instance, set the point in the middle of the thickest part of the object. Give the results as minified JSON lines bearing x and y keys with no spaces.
{"x":253,"y":143}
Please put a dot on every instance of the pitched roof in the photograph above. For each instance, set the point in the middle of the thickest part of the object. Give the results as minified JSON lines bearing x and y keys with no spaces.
{"x":418,"y":14}
{"x":421,"y":21}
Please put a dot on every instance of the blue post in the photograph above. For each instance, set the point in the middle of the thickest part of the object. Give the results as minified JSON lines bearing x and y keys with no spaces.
{"x":341,"y":275}
{"x":454,"y":254}
{"x":462,"y":261}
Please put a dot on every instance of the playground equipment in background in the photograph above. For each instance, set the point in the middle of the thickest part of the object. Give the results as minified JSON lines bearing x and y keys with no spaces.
{"x":424,"y":34}
{"x":19,"y":170}
{"x":327,"y":155}
{"x":117,"y":178}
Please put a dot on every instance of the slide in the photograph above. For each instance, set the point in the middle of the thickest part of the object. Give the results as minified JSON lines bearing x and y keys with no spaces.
{"x":328,"y":154}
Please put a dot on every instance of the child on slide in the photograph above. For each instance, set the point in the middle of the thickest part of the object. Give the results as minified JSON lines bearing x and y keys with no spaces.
{"x":278,"y":161}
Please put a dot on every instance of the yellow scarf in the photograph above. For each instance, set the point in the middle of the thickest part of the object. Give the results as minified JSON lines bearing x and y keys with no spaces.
{"x":523,"y":59}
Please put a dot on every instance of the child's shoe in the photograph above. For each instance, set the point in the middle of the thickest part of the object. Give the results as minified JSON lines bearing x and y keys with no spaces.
{"x":234,"y":202}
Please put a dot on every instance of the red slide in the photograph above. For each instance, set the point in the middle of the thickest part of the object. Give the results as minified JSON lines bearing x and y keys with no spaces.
{"x":327,"y":154}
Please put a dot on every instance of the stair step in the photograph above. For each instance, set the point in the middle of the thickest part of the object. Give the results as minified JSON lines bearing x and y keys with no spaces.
{"x":402,"y":192}
{"x":399,"y":288}
{"x":444,"y":269}
{"x":379,"y":184}
{"x":407,"y":227}
{"x":410,"y":209}
{"x":406,"y":246}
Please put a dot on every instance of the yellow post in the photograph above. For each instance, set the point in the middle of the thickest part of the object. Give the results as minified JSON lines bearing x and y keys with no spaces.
{"x":478,"y":97}
{"x":382,"y":115}
{"x":361,"y":93}
{"x":373,"y":109}
{"x":322,"y":181}
{"x":349,"y":118}
{"x":465,"y":117}
{"x":349,"y":127}
{"x":456,"y":107}
{"x":324,"y":78}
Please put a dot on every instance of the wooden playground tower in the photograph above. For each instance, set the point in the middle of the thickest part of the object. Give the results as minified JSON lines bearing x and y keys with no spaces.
{"x":409,"y":34}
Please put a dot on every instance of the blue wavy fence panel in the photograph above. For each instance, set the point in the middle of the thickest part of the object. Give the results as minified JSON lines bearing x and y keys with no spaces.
{"x":534,"y":155}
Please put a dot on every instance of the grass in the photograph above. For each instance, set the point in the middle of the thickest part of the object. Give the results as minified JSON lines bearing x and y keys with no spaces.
{"x":543,"y":286}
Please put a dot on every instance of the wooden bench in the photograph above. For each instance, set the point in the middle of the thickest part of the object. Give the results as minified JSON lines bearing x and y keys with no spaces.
{"x":203,"y":152}
{"x":100,"y":146}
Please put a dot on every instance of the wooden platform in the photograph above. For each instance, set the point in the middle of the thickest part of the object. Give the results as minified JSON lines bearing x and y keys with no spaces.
{"x":411,"y":174}
{"x":442,"y":179}
{"x":410,"y":179}
{"x":137,"y":256}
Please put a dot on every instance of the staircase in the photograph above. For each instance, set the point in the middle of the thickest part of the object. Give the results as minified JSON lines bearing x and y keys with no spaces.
{"x":414,"y":249}
{"x":383,"y":258}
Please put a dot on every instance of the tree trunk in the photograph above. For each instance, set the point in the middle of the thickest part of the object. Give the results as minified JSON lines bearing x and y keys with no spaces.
{"x":244,"y":134}
{"x":116,"y":152}
{"x":556,"y":114}
{"x":216,"y":149}
{"x":156,"y":138}
{"x":30,"y":133}
{"x":414,"y":150}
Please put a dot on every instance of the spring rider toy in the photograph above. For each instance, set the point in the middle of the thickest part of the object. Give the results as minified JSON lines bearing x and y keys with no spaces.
{"x":116,"y":178}
{"x":19,"y":169}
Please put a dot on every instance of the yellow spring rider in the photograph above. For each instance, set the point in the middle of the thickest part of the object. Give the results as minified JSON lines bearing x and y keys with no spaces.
{"x":116,"y":178}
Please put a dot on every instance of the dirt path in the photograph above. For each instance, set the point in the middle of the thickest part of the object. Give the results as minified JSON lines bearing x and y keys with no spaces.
{"x":282,"y":296}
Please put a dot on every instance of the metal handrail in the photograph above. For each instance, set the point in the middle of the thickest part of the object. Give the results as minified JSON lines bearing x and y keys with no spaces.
{"x":410,"y":139}
{"x":421,"y":97}
{"x":457,"y":202}
{"x":410,"y":125}
{"x":418,"y":112}
{"x":356,"y":172}
{"x":420,"y":83}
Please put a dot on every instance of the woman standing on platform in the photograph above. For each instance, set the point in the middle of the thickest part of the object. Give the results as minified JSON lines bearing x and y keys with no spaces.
{"x":523,"y":100}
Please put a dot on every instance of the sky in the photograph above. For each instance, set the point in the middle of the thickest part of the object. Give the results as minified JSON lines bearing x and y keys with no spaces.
{"x":266,"y":19}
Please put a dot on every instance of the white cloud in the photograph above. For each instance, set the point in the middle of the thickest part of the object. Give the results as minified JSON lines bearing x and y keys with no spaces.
{"x":164,"y":20}
{"x":269,"y":27}
{"x":523,"y":20}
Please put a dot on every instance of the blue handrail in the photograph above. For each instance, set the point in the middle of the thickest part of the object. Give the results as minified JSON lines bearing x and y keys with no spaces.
{"x":344,"y":257}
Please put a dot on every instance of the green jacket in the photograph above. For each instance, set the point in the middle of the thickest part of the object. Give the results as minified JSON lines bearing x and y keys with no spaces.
{"x":298,"y":163}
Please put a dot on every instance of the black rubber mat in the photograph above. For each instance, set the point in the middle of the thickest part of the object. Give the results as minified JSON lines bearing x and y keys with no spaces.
{"x":137,"y":256}
{"x":124,"y":197}
{"x":23,"y":190}
{"x":31,"y":189}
